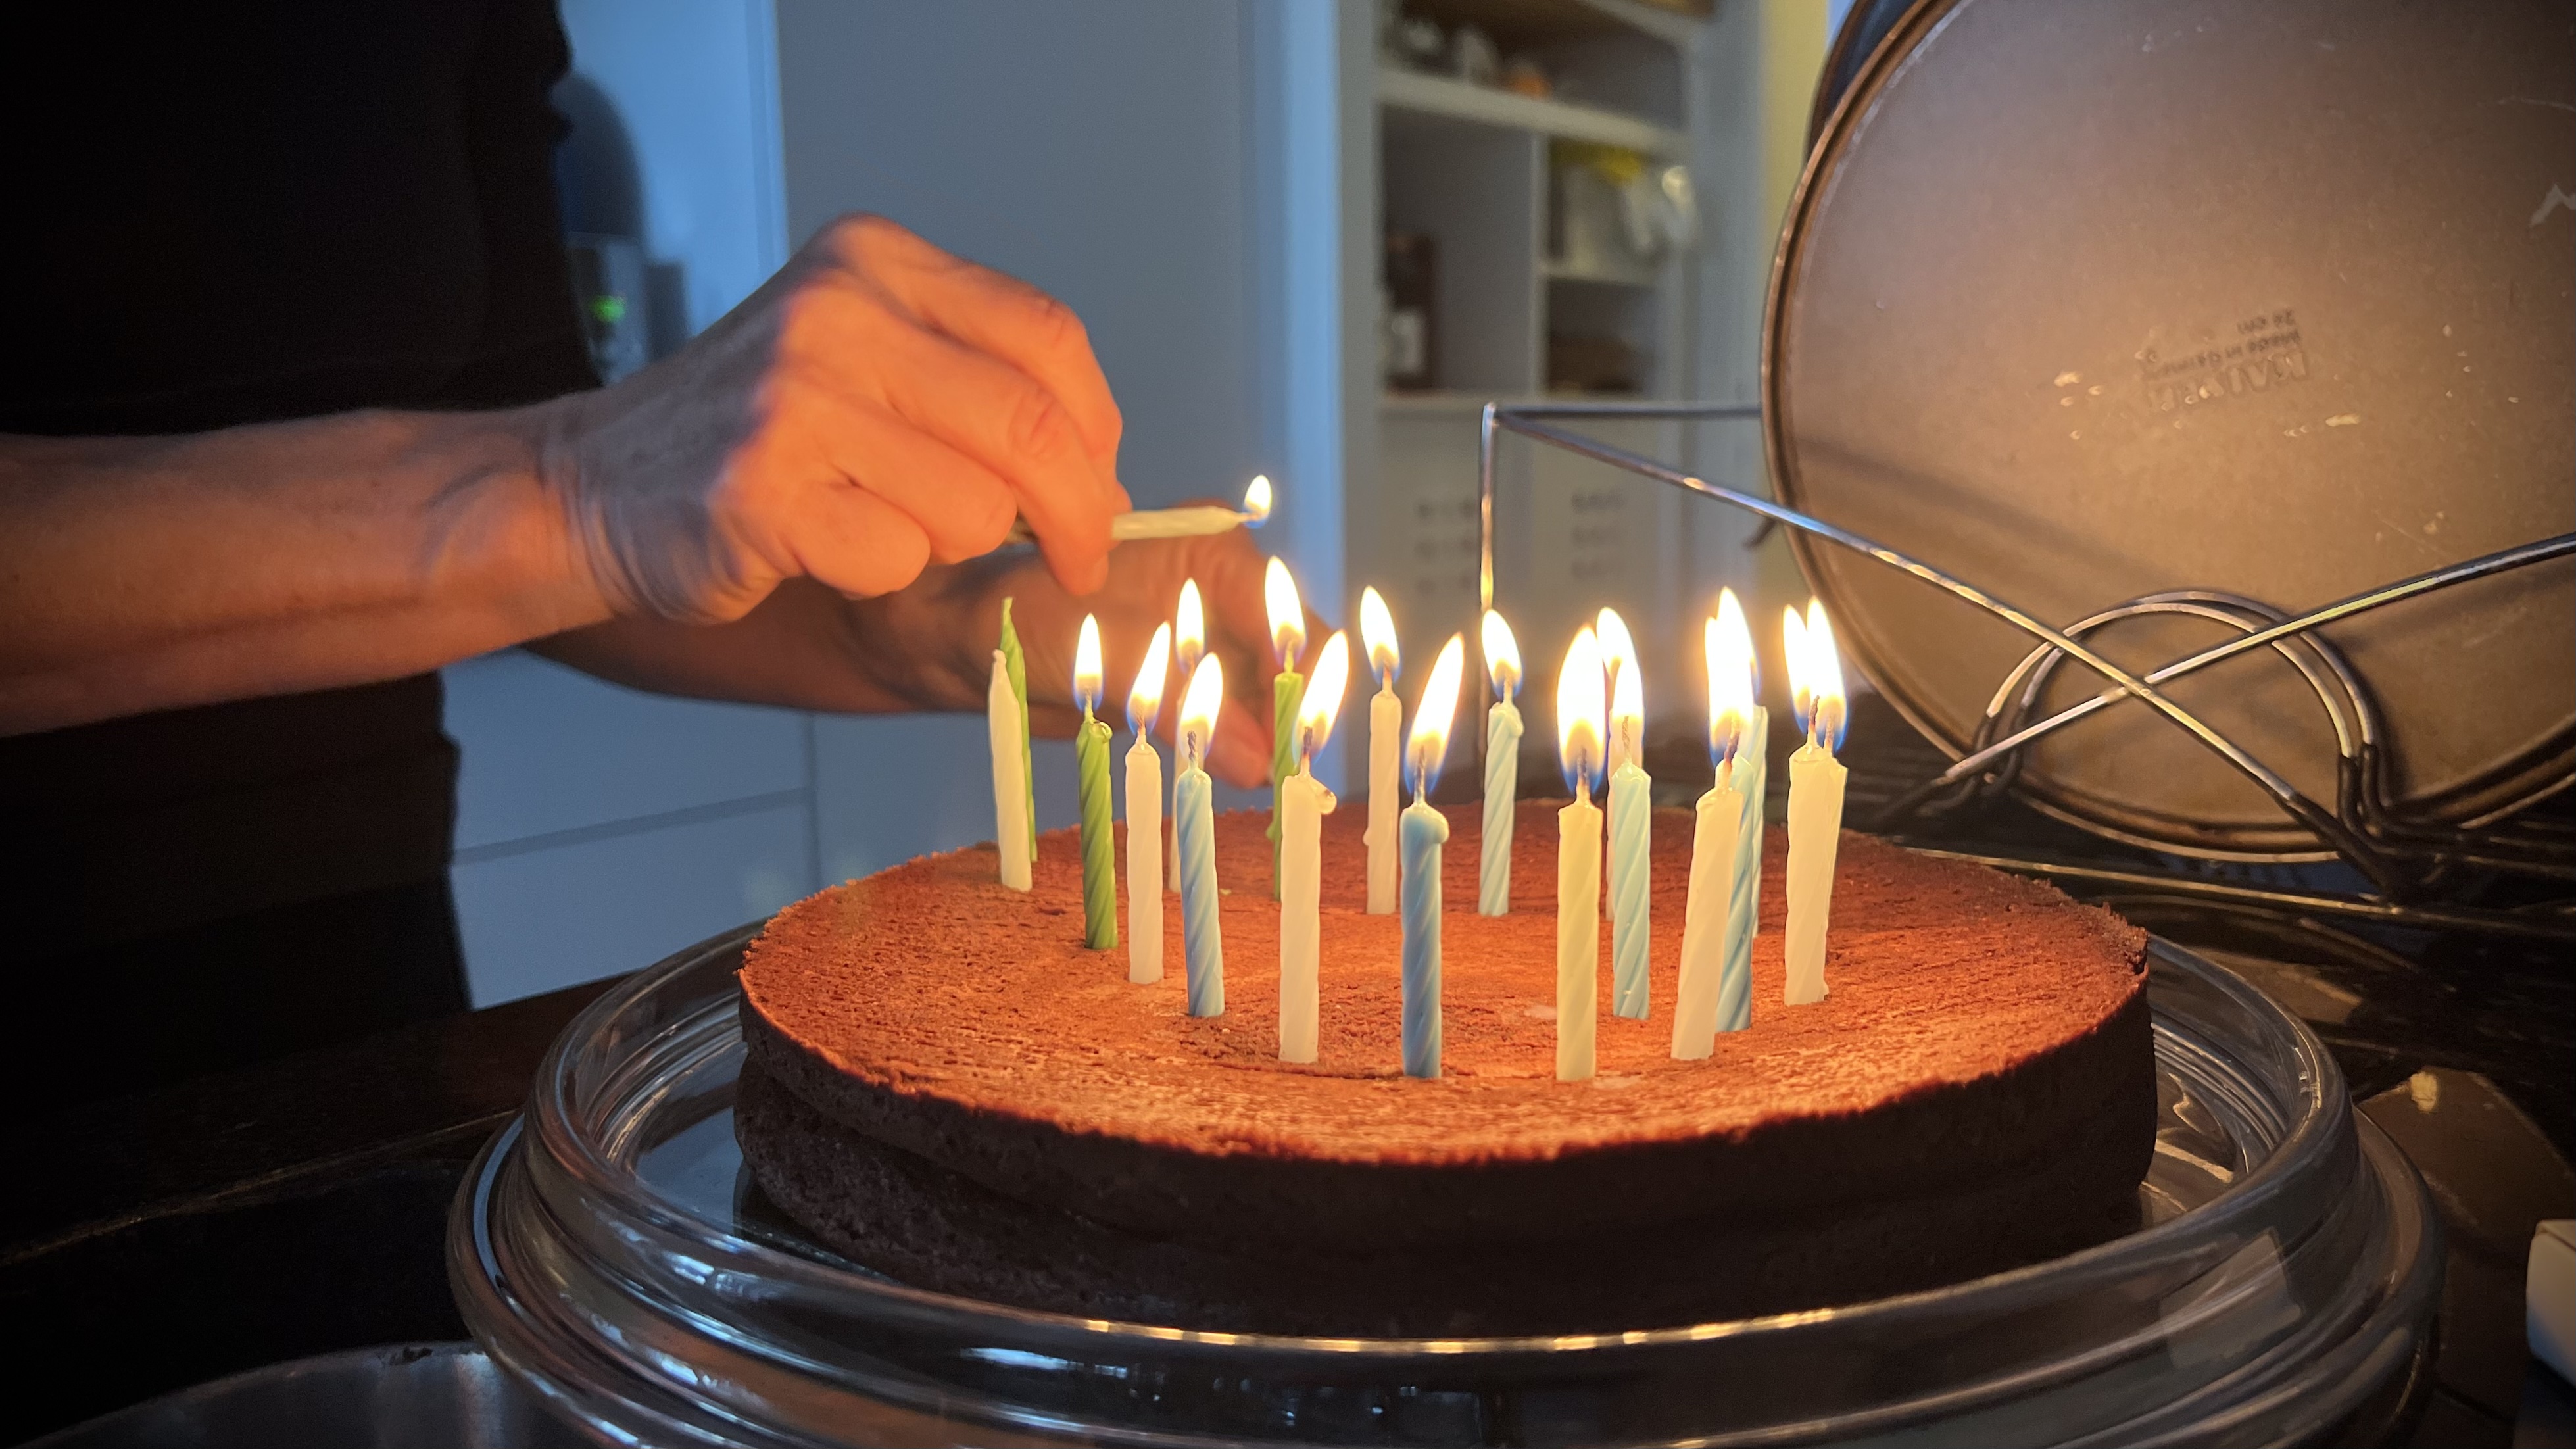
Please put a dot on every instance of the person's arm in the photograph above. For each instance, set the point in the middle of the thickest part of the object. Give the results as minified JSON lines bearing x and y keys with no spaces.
{"x":149,"y":573}
{"x":876,"y":406}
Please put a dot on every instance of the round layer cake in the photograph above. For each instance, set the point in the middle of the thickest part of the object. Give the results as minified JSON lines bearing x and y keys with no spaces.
{"x":945,"y":1085}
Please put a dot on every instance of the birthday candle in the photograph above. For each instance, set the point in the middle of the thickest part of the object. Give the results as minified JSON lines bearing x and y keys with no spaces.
{"x":1302,"y":810}
{"x":1744,"y":897}
{"x":1502,"y":769}
{"x":1010,"y":782}
{"x":1287,"y":690}
{"x":1091,"y":770}
{"x":1386,"y":751}
{"x":1816,"y":781}
{"x":1425,"y":830}
{"x":1202,"y":947}
{"x":1632,"y":812}
{"x":1578,"y":858}
{"x":1189,"y":642}
{"x":1016,"y":661}
{"x":1145,"y":815}
{"x":1728,"y":647}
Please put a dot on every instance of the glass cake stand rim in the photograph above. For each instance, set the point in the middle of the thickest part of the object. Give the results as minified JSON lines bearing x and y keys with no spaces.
{"x":613,"y":1056}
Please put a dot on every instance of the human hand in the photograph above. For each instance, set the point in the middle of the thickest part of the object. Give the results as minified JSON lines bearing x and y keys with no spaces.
{"x":933,"y":643}
{"x":876,"y":406}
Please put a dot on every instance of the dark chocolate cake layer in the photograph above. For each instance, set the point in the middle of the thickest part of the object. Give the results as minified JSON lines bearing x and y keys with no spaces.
{"x":949,"y":1063}
{"x":928,"y":1226}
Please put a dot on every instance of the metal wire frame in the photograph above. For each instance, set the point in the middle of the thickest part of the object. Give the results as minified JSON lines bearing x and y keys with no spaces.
{"x":2362,"y":827}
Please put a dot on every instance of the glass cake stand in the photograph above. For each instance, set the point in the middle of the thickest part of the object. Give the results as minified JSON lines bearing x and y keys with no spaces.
{"x":609,"y":1248}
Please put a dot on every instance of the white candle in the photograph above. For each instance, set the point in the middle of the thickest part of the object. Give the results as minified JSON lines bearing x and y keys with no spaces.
{"x":1386,"y":751}
{"x":1145,"y":816}
{"x":1728,"y":647}
{"x":1502,"y":769}
{"x":1303,"y":804}
{"x":1579,"y":709}
{"x":1010,"y":776}
{"x":1816,"y":782}
{"x":1704,"y":918}
{"x":1189,"y":644}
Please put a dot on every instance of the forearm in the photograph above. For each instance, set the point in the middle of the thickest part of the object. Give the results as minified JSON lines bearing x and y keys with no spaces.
{"x":152,"y":573}
{"x":803,"y":647}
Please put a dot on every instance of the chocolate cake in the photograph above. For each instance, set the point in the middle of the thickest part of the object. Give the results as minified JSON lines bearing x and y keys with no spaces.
{"x":944,"y":1085}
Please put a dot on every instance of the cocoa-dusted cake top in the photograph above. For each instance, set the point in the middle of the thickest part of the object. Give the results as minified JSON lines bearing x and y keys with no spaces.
{"x":932,"y":980}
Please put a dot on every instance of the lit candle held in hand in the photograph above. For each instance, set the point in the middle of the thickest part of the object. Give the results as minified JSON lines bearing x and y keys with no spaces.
{"x":1287,"y":689}
{"x":1386,"y":750}
{"x":1632,"y":814}
{"x":1727,"y":646}
{"x":1502,"y":769}
{"x":1303,"y":804}
{"x":1816,"y":781}
{"x":1189,"y":645}
{"x":1189,"y":521}
{"x":1580,"y":710}
{"x":1091,"y":770}
{"x":1145,"y":815}
{"x":1425,"y":830}
{"x":1202,"y":947}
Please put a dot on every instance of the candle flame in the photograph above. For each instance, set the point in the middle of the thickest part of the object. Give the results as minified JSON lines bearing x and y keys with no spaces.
{"x":1201,"y":703}
{"x":1377,"y":631}
{"x":1579,"y":710}
{"x":1287,"y":615}
{"x":1728,"y":643}
{"x":1256,"y":501}
{"x":1816,"y":675}
{"x":1323,"y":700}
{"x":1086,"y":665}
{"x":1825,"y":671}
{"x":1189,"y":628}
{"x":1145,"y":698}
{"x":1628,"y":710}
{"x":1793,"y":652}
{"x":1502,"y":657}
{"x":1428,"y":748}
{"x":1618,"y":650}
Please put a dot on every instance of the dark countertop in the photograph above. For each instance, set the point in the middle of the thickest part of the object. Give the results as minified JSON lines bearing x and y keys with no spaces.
{"x":298,"y":1207}
{"x":157,"y":1240}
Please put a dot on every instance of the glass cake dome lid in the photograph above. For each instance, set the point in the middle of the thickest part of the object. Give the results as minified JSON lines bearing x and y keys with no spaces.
{"x":609,"y":1248}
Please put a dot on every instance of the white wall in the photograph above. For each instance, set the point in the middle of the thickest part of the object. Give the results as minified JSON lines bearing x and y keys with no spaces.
{"x":1131,"y":157}
{"x":1109,"y":153}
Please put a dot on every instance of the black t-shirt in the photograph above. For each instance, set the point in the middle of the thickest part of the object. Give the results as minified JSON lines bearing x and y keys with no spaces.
{"x":237,"y":213}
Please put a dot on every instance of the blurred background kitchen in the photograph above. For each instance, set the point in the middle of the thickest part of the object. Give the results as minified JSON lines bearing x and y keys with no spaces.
{"x":1309,"y":238}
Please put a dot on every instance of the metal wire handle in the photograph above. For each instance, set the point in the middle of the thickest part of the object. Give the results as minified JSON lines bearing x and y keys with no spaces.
{"x":2362,"y":827}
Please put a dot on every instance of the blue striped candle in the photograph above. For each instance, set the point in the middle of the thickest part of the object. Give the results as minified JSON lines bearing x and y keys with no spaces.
{"x":1744,"y":899}
{"x":1201,"y":944}
{"x":1631,"y":810}
{"x":1422,"y":831}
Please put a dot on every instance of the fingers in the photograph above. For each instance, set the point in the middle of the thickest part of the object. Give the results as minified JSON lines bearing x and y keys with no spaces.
{"x":997,"y":314}
{"x":963,"y":507}
{"x":1023,"y":434}
{"x":852,"y":540}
